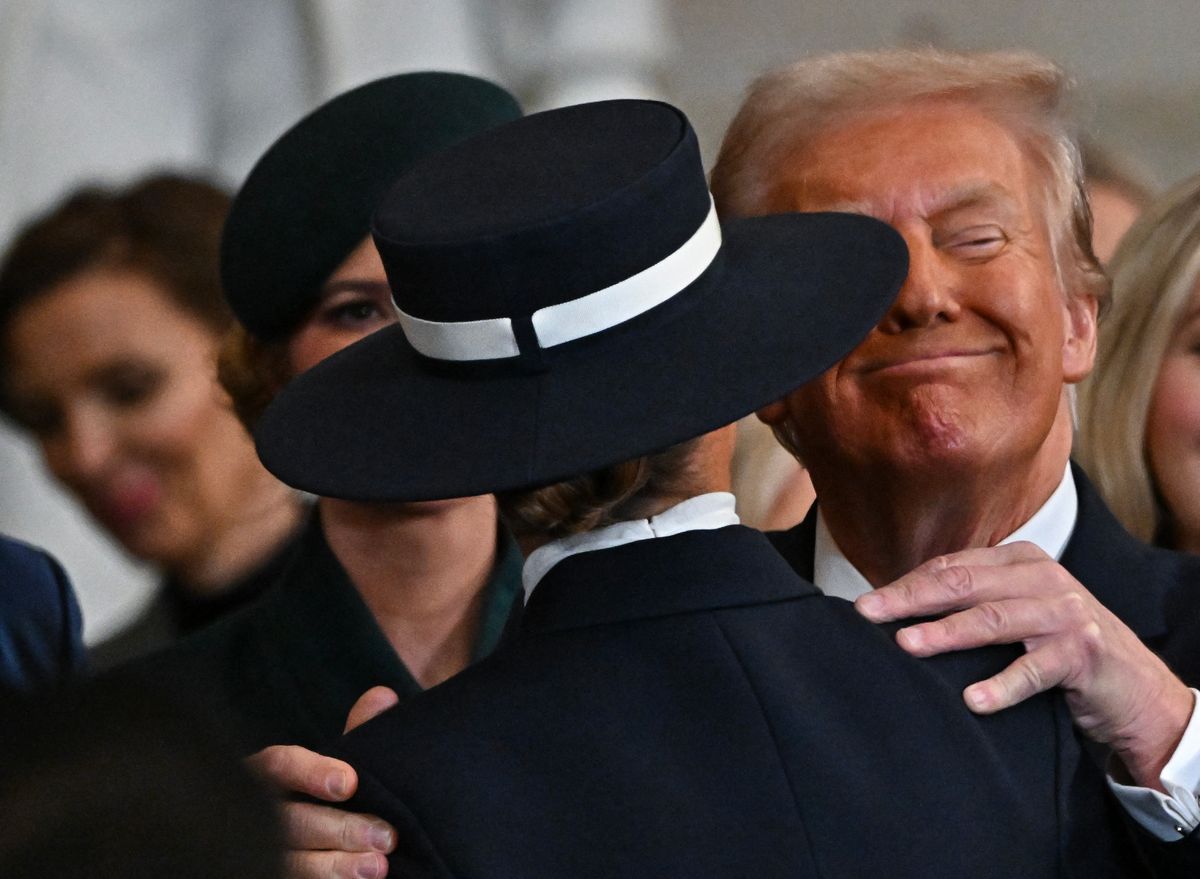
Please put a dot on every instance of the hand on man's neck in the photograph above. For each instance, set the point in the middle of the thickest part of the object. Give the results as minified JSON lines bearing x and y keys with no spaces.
{"x":887,"y":520}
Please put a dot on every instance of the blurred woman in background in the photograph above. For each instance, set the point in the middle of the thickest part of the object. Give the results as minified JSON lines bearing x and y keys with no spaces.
{"x":111,"y":316}
{"x":1139,"y":435}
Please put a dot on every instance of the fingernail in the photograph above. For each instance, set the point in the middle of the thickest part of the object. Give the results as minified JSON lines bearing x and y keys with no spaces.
{"x":911,"y":639}
{"x":336,"y":784}
{"x":976,"y":696}
{"x":870,"y":605}
{"x":380,"y":837}
{"x":372,"y":868}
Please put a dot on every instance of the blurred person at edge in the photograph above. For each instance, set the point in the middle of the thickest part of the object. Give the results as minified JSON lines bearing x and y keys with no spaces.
{"x":106,"y":780}
{"x":398,"y":597}
{"x":939,"y":448}
{"x":1116,"y":193}
{"x":1140,"y":408}
{"x":41,"y":641}
{"x":111,"y":316}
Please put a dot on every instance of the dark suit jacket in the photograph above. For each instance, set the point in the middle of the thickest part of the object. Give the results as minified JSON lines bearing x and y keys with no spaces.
{"x":686,"y":706}
{"x":1156,"y":592}
{"x":39,"y":620}
{"x":288,"y":669}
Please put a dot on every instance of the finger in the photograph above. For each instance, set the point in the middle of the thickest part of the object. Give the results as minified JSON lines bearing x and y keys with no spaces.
{"x":1002,"y":554}
{"x":295,"y":770}
{"x":309,"y":826}
{"x":937,"y":588}
{"x":371,"y":704}
{"x":1033,"y":673}
{"x":931,"y":588}
{"x":334,"y":865}
{"x":1009,"y":621}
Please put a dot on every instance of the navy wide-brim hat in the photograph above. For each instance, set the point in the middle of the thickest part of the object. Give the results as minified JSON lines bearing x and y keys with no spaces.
{"x":568,"y":300}
{"x":307,"y":203}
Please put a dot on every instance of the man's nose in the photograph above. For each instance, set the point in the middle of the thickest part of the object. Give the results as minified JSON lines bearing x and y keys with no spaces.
{"x":930,"y":293}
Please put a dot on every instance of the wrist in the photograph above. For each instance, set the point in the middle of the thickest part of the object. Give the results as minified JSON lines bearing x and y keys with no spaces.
{"x":1147,"y":747}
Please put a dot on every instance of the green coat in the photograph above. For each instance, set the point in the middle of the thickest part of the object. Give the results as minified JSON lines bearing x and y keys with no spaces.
{"x":287,"y":670}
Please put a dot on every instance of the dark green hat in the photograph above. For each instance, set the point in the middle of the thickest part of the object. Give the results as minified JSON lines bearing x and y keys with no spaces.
{"x":307,"y":203}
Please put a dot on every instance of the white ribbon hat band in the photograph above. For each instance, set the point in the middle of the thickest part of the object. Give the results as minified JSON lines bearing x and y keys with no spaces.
{"x":567,"y":321}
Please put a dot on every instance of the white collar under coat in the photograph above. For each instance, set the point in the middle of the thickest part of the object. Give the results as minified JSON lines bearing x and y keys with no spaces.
{"x":701,"y":513}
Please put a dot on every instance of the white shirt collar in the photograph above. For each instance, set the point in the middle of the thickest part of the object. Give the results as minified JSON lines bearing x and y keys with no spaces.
{"x":701,"y":513}
{"x":1049,"y":528}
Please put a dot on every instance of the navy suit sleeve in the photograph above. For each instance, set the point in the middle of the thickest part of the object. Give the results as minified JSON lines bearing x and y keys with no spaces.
{"x":40,"y":624}
{"x":1169,"y":860}
{"x":414,"y":855}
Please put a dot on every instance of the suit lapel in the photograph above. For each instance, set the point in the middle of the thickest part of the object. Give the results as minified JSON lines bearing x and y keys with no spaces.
{"x":1122,"y":572}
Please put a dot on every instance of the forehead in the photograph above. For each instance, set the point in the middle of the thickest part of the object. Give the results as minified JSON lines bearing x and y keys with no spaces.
{"x":362,"y":264}
{"x":96,"y":317}
{"x":913,"y":160}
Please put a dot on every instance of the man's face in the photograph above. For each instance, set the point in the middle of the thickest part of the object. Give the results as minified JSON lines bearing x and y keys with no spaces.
{"x":968,"y":366}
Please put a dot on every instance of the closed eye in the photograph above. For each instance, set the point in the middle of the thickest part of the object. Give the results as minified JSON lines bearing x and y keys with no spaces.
{"x":977,"y":242}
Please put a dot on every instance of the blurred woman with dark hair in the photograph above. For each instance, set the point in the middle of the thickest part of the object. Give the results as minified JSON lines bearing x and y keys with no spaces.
{"x":111,"y":316}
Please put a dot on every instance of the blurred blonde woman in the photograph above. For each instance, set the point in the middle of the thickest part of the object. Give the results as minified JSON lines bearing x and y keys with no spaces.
{"x":1140,"y":409}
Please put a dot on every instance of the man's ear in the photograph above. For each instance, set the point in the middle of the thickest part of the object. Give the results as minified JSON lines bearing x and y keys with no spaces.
{"x":1079,"y":337}
{"x":772,"y":413}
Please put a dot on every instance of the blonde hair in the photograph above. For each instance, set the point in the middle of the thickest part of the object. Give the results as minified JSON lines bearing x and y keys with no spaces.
{"x":786,"y":108}
{"x":624,"y":491}
{"x":1155,"y":273}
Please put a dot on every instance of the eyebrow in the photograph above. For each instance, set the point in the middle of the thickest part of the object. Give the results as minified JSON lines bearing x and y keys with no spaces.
{"x":971,"y":195}
{"x":962,"y":197}
{"x":352,"y":286}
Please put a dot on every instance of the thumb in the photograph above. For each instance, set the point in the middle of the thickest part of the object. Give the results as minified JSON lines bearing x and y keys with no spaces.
{"x":371,"y":704}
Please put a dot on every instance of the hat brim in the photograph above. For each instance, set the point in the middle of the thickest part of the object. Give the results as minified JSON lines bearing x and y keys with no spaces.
{"x":791,"y":295}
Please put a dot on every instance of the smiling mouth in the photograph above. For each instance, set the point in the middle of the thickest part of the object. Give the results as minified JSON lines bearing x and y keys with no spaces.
{"x":933,"y":361}
{"x":126,"y":508}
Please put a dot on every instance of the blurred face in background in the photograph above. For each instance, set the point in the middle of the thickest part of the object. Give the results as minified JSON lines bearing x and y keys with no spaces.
{"x":1173,"y":430}
{"x":1112,"y":214}
{"x":355,"y":302}
{"x":117,"y":384}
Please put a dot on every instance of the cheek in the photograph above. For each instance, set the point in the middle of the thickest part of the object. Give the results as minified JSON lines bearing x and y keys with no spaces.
{"x":180,"y":426}
{"x":1173,"y":443}
{"x":1032,"y":323}
{"x":818,"y":412}
{"x":1173,"y":424}
{"x":313,"y":343}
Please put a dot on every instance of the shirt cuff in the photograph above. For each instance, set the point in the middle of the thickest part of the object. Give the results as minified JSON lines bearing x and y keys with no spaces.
{"x":1175,"y":814}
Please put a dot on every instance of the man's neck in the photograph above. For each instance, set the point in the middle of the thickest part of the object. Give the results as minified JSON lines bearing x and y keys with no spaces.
{"x":888,"y":522}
